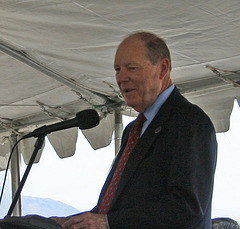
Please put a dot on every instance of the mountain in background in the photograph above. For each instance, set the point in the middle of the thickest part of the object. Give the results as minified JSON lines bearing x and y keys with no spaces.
{"x":46,"y":207}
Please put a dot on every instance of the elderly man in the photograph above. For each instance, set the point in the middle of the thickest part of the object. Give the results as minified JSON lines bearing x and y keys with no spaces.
{"x":163,"y":174}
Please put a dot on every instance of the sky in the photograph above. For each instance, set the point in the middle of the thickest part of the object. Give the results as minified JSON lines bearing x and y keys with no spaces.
{"x":77,"y":180}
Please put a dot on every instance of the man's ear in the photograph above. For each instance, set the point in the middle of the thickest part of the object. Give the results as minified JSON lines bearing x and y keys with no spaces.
{"x":164,"y":65}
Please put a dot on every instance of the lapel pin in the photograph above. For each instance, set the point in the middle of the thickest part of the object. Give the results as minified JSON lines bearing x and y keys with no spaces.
{"x":158,"y":130}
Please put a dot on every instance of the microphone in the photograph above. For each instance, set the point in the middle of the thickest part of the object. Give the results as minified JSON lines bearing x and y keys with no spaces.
{"x":85,"y":119}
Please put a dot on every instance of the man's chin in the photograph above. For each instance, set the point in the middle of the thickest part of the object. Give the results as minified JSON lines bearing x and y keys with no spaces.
{"x":136,"y":107}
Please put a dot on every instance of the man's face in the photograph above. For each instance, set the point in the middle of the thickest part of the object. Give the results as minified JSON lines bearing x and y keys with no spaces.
{"x":138,"y":79}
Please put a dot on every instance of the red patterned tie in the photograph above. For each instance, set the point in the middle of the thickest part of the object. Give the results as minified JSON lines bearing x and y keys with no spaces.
{"x":132,"y":140}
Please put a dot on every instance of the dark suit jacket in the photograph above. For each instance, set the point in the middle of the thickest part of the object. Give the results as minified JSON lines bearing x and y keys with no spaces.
{"x":168,"y":179}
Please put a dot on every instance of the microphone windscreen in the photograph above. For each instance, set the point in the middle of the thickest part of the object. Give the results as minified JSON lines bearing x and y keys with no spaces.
{"x":87,"y":119}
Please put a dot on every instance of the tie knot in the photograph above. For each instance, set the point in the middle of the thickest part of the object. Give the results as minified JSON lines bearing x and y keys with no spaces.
{"x":140,"y":119}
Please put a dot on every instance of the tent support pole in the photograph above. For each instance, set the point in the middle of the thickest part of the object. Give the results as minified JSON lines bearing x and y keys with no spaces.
{"x":15,"y":174}
{"x":118,"y":130}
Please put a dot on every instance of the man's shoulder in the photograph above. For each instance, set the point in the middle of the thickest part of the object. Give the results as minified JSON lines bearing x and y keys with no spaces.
{"x":189,"y":111}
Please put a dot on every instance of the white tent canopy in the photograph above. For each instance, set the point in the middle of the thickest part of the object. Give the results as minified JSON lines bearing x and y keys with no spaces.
{"x":57,"y":59}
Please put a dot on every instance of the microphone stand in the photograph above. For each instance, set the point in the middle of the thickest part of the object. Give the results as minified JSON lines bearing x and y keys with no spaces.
{"x":38,"y":145}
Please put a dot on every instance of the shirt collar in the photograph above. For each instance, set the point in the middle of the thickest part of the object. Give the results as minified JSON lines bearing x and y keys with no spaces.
{"x":151,"y":111}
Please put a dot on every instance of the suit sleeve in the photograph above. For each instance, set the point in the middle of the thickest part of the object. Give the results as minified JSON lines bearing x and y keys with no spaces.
{"x":188,"y":195}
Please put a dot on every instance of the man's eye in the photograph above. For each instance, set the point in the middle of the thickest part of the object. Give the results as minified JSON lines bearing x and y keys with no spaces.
{"x":132,"y":68}
{"x":117,"y":69}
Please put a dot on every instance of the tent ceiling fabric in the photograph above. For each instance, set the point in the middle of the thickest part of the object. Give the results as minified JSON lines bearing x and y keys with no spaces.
{"x":56,"y":58}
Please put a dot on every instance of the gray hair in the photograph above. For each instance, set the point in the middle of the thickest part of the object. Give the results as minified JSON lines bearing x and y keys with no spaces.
{"x":224,"y":223}
{"x":156,"y":46}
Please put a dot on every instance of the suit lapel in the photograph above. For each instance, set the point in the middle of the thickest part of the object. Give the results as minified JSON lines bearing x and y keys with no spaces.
{"x":155,"y":129}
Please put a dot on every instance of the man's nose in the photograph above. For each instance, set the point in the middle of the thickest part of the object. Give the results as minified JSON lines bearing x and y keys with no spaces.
{"x":122,"y":75}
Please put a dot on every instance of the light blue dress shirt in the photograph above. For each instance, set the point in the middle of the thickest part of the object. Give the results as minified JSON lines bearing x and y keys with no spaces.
{"x":151,"y":111}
